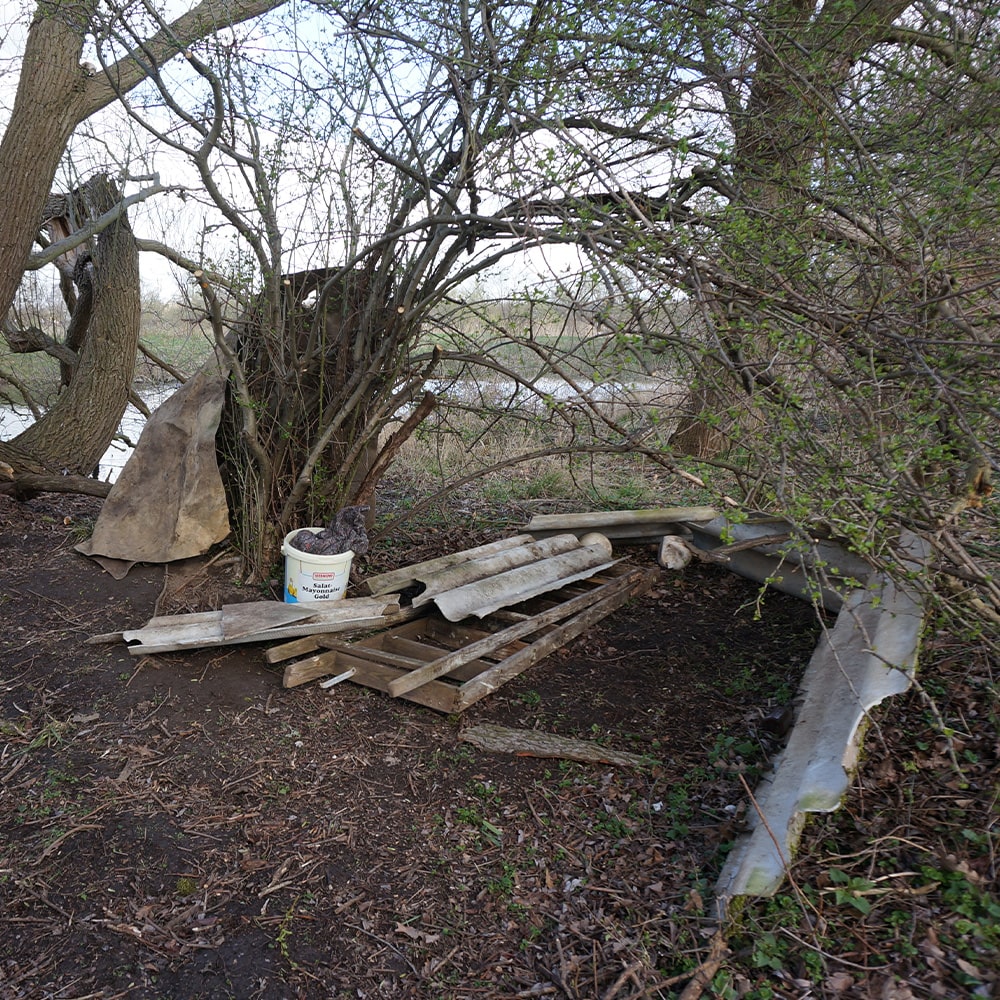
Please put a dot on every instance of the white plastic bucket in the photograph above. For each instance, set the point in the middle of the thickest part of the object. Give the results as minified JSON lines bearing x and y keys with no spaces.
{"x":310,"y":577}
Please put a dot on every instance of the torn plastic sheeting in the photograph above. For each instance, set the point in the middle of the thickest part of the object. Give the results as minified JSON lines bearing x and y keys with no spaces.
{"x":869,"y":655}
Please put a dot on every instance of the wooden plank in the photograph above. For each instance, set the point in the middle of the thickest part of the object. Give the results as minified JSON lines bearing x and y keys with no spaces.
{"x":429,"y":654}
{"x":437,"y":695}
{"x":355,"y":625}
{"x":391,"y":650}
{"x":303,"y":671}
{"x":180,"y":634}
{"x":244,"y":619}
{"x":439,"y":628}
{"x":447,"y":645}
{"x":307,"y":627}
{"x":511,"y":617}
{"x":488,"y":682}
{"x":534,"y":743}
{"x":297,"y":647}
{"x":207,"y":628}
{"x":378,"y":655}
{"x":491,"y":642}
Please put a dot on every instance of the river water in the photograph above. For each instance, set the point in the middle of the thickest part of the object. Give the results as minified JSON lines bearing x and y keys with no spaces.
{"x":502,"y":392}
{"x":14,"y":419}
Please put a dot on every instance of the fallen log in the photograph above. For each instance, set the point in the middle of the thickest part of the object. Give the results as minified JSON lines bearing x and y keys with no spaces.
{"x":532,"y":743}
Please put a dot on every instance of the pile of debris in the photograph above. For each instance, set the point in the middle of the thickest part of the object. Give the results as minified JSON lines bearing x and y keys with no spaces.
{"x":534,"y":592}
{"x":530,"y":597}
{"x":449,"y":631}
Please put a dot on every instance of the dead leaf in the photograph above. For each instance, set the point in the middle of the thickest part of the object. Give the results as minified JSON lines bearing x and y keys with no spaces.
{"x":839,"y":982}
{"x":892,"y":990}
{"x":968,"y":968}
{"x":417,"y":935}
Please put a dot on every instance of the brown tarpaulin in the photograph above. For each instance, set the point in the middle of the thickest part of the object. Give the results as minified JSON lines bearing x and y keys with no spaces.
{"x":168,"y":502}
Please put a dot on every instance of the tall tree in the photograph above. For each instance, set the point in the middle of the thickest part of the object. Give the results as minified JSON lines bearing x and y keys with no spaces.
{"x":55,"y":93}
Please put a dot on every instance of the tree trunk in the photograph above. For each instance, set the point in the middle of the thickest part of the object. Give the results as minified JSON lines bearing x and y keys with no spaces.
{"x":304,"y":372}
{"x":804,"y":55}
{"x":74,"y":433}
{"x":41,"y":122}
{"x":54,"y":94}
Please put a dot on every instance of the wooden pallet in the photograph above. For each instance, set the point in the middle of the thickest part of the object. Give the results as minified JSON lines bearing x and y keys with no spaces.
{"x":449,"y":667}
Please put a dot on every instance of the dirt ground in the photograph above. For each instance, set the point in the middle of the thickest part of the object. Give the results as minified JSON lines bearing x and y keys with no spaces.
{"x":182,"y":826}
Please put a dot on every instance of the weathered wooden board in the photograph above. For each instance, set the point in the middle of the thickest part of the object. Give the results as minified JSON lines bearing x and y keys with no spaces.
{"x":446,"y":664}
{"x":260,"y":621}
{"x":488,"y":681}
{"x":437,"y":694}
{"x":533,"y":743}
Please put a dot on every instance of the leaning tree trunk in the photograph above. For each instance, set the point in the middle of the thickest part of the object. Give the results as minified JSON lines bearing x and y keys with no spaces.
{"x":73,"y":435}
{"x":43,"y":117}
{"x":55,"y":92}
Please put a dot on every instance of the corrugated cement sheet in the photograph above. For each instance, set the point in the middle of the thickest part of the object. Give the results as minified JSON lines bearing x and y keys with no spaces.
{"x":481,"y":580}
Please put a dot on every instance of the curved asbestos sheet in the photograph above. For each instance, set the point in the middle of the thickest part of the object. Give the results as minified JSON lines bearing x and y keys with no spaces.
{"x":481,"y":580}
{"x":526,"y":581}
{"x":494,"y":565}
{"x":869,"y":654}
{"x":824,"y":570}
{"x":401,"y":579}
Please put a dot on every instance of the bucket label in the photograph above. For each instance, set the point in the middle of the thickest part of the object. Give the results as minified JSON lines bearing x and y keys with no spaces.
{"x":314,"y":578}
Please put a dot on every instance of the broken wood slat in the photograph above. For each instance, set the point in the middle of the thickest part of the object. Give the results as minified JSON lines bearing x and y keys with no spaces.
{"x":205,"y":642}
{"x":373,"y":650}
{"x":446,"y":664}
{"x":429,"y":638}
{"x":511,"y":617}
{"x":246,"y":619}
{"x":407,"y":654}
{"x":297,"y":647}
{"x":421,"y":651}
{"x":378,"y":654}
{"x":193,"y":620}
{"x":437,"y":694}
{"x":429,"y":654}
{"x":302,"y":671}
{"x":411,"y":623}
{"x":179,"y":632}
{"x":439,"y":629}
{"x":399,"y":579}
{"x":613,"y":596}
